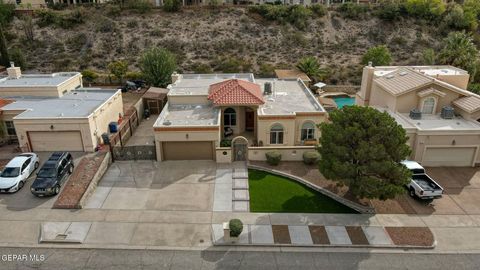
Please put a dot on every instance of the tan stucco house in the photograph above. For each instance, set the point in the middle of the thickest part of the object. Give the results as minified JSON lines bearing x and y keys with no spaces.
{"x":205,"y":110}
{"x":52,"y":112}
{"x":440,"y":116}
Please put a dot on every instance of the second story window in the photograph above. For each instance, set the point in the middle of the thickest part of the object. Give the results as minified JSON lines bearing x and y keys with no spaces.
{"x":428,"y":105}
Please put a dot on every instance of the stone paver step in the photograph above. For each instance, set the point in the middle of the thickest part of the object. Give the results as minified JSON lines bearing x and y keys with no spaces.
{"x":240,"y":206}
{"x":240,"y":195}
{"x":240,"y":173}
{"x":240,"y":183}
{"x":309,"y":235}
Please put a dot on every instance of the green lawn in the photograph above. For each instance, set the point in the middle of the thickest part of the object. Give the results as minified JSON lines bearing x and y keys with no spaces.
{"x":272,"y":193}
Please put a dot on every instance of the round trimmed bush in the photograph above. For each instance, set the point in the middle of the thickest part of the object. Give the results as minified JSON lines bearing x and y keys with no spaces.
{"x":273,"y":157}
{"x":311,"y":157}
{"x":236,"y":227}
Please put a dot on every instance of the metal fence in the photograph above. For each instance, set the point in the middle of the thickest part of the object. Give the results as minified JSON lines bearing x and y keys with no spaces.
{"x":134,"y":152}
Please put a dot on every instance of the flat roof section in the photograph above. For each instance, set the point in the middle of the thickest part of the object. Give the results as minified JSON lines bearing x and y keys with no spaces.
{"x":188,"y":115}
{"x":37,"y":80}
{"x":75,"y":104}
{"x":436,"y":123}
{"x":288,"y":97}
{"x":198,"y":84}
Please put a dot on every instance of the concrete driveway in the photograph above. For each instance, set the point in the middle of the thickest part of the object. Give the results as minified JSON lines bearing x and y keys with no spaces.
{"x":148,"y":185}
{"x":461,"y":197}
{"x":24,"y":199}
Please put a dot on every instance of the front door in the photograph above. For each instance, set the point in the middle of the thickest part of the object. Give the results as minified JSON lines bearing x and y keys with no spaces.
{"x":249,"y":119}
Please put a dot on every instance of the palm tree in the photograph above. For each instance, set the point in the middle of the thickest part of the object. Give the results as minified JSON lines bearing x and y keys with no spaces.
{"x":310,"y":66}
{"x":460,"y":51}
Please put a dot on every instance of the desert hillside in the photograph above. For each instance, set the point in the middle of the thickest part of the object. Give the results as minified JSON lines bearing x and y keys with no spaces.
{"x":218,"y":40}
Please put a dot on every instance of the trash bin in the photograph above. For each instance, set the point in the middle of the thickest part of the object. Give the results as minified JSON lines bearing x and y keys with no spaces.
{"x":113,"y":127}
{"x":105,"y":138}
{"x":146,"y":113}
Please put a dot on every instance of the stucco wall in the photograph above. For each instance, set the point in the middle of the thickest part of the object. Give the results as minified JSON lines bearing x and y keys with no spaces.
{"x":411,"y":100}
{"x":105,"y":114}
{"x":264,"y":126}
{"x":288,"y":153}
{"x":424,"y":140}
{"x":382,"y":98}
{"x":174,"y":100}
{"x":460,"y":80}
{"x":220,"y":154}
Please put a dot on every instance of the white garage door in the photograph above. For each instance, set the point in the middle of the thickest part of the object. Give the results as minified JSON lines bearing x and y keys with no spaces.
{"x":56,"y":140}
{"x":449,"y":156}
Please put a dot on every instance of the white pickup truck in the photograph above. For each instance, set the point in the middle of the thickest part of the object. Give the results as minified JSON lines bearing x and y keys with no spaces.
{"x":421,"y":185}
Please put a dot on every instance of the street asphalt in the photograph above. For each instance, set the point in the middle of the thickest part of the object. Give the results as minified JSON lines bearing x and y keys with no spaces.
{"x":23,"y":258}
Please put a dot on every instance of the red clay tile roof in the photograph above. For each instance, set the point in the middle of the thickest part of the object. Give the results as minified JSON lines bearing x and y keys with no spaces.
{"x":235,"y":92}
{"x":4,"y":102}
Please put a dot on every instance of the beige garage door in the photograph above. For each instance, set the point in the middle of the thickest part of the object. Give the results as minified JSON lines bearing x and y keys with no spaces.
{"x":187,"y":151}
{"x":56,"y":140}
{"x":449,"y":156}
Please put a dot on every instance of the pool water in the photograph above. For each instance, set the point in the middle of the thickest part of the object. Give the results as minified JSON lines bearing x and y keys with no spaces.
{"x":344,"y":101}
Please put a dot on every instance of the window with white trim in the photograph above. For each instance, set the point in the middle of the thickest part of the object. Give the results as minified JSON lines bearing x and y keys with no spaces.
{"x":276,"y":134}
{"x":428,"y":105}
{"x":308,"y":131}
{"x":229,"y":117}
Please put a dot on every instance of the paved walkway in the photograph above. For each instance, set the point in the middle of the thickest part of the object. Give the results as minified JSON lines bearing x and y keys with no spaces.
{"x":308,"y":235}
{"x":231,"y":188}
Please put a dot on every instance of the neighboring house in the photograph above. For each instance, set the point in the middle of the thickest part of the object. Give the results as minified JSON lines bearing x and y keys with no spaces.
{"x":440,"y":116}
{"x":204,"y":110}
{"x":54,"y":113}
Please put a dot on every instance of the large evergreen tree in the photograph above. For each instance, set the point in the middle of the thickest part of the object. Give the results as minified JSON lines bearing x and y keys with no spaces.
{"x":157,"y":65}
{"x":361,"y":148}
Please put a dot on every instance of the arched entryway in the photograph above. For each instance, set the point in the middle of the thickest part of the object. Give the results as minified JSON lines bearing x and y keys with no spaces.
{"x":240,"y":148}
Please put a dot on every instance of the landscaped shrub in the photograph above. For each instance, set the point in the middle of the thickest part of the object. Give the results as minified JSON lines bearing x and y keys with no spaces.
{"x":379,"y":56}
{"x":319,"y":10}
{"x":236,"y":227}
{"x":352,"y":10}
{"x":426,"y":9}
{"x":225,"y":143}
{"x":389,"y":11}
{"x":311,"y":157}
{"x":172,"y":5}
{"x":273,"y":157}
{"x":140,"y":6}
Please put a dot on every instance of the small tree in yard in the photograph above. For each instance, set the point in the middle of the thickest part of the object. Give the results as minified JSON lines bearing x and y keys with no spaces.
{"x":460,"y":50}
{"x":89,"y":75}
{"x":157,"y":65}
{"x":361,"y":148}
{"x":379,"y":56}
{"x":119,"y":69}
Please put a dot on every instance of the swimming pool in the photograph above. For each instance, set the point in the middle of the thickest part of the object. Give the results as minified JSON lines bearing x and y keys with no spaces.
{"x":344,"y":101}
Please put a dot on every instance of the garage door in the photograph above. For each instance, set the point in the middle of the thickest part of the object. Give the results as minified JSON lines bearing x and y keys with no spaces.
{"x":56,"y":140}
{"x":187,"y":150}
{"x":449,"y":156}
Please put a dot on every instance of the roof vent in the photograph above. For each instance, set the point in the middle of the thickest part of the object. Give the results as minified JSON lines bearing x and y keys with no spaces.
{"x":415,"y":114}
{"x":390,"y":76}
{"x":403,"y":73}
{"x":447,"y":112}
{"x":167,"y":123}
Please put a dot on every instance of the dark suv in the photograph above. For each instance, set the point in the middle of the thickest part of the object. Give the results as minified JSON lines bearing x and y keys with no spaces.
{"x":51,"y":175}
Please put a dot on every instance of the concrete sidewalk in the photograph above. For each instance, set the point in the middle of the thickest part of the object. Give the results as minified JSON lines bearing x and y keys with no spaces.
{"x":156,"y":229}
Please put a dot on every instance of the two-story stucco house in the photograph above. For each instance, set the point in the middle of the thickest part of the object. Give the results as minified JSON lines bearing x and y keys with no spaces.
{"x":204,"y":110}
{"x":440,"y":116}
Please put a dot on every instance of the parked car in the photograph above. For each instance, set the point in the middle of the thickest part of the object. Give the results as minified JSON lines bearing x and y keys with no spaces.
{"x":422,"y":185}
{"x":52,"y":174}
{"x":129,"y":85}
{"x":16,"y":172}
{"x":139,"y":83}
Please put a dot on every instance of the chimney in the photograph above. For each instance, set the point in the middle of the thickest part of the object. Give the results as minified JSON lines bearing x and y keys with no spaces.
{"x":175,"y":77}
{"x":13,"y":71}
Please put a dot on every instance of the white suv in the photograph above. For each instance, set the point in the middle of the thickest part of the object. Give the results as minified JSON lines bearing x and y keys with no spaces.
{"x":17,"y":171}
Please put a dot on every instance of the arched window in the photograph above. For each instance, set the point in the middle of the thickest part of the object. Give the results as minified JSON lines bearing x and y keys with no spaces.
{"x":276,"y":134}
{"x":308,"y":131}
{"x":229,"y":117}
{"x":428,"y":105}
